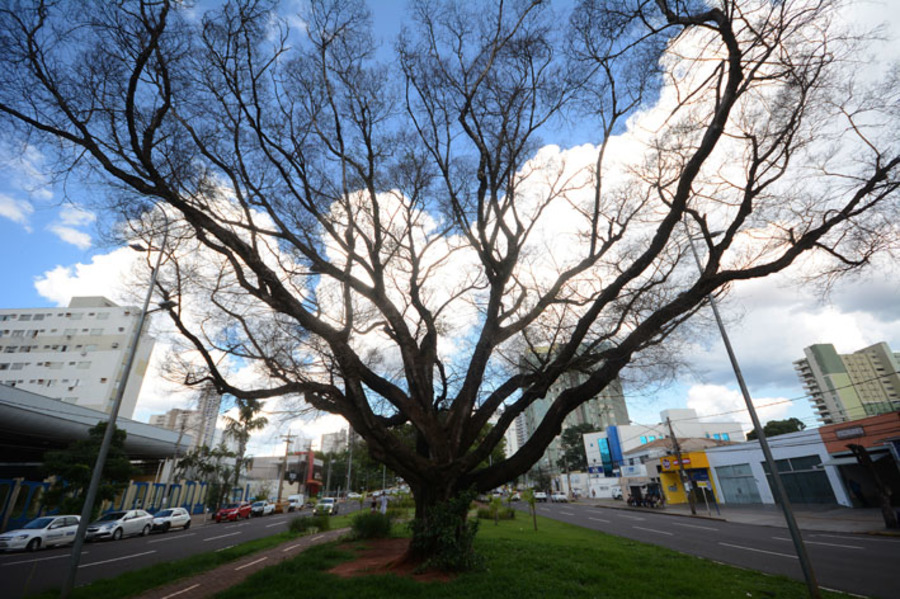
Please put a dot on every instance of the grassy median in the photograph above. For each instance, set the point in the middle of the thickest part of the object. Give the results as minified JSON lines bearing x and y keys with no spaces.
{"x":559,"y":560}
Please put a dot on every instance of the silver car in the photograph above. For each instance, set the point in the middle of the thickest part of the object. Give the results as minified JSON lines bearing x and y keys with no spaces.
{"x":116,"y":525}
{"x":41,"y":532}
{"x":176,"y":517}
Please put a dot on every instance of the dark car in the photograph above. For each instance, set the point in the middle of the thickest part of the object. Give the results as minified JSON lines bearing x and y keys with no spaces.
{"x":234,"y":511}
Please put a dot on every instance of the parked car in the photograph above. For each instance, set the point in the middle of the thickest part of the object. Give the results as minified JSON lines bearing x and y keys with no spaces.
{"x":559,"y":497}
{"x":540,"y":496}
{"x":262,"y":508}
{"x":515,"y":497}
{"x":116,"y":525}
{"x":327,"y":506}
{"x":354,"y":495}
{"x":234,"y":511}
{"x":176,"y":517}
{"x":41,"y":532}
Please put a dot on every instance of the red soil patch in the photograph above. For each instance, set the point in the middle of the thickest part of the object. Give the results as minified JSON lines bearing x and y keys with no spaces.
{"x":385,"y":556}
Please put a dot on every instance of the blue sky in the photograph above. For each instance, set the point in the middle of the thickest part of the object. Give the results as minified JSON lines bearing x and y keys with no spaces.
{"x":51,"y":249}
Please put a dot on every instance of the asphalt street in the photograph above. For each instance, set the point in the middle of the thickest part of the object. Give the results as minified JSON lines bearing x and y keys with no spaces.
{"x":854,"y":563}
{"x":24,"y":574}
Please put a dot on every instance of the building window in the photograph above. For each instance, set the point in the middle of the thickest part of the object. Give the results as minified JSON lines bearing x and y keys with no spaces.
{"x":71,"y":332}
{"x":39,"y":317}
{"x":11,"y":349}
{"x":96,"y":332}
{"x":725,"y":437}
{"x":717,"y":437}
{"x":643,"y":440}
{"x":84,"y":365}
{"x":103,"y":316}
{"x":24,"y":317}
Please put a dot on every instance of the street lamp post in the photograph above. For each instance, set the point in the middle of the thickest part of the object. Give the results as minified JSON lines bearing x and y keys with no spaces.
{"x":97,"y":473}
{"x":778,"y":486}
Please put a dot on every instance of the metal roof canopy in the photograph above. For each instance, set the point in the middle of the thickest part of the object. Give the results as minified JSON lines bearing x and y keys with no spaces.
{"x":31,"y":424}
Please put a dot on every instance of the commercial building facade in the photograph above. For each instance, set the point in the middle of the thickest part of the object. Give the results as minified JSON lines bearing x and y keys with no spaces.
{"x":75,"y":354}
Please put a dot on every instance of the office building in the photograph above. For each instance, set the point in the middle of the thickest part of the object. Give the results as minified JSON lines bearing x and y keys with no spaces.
{"x":76,"y":354}
{"x":606,"y":409}
{"x":845,"y":387}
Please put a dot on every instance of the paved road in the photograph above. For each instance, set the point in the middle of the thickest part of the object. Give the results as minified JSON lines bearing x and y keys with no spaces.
{"x":24,"y":574}
{"x":861,"y":564}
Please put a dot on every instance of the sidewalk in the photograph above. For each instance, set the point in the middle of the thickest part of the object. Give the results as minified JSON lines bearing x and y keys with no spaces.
{"x":810,"y":517}
{"x":207,"y":584}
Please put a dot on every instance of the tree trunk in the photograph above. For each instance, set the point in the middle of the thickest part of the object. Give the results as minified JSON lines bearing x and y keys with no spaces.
{"x":884,"y":491}
{"x":442,"y":535}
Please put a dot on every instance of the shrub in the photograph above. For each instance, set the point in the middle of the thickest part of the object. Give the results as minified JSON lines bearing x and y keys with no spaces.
{"x":302,"y":524}
{"x":367,"y":525}
{"x":486,"y":513}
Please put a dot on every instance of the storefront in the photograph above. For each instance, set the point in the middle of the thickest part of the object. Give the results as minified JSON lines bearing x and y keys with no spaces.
{"x":696,"y":477}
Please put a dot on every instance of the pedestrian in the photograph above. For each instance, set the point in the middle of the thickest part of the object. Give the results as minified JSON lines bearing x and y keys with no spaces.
{"x":373,"y":504}
{"x":384,"y":501}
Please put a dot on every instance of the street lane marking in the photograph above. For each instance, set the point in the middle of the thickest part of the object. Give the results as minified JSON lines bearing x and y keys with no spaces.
{"x":176,"y":593}
{"x":41,"y":559}
{"x":857,"y":539}
{"x":632,"y":517}
{"x":821,"y":543}
{"x":567,"y":513}
{"x":695,"y":526}
{"x":598,"y":520}
{"x":262,"y":559}
{"x":758,"y":550}
{"x":172,"y":538}
{"x":231,"y":534}
{"x":276,"y":524}
{"x":317,"y":538}
{"x":226,"y":548}
{"x":662,"y":532}
{"x":286,"y":549}
{"x":116,"y":559}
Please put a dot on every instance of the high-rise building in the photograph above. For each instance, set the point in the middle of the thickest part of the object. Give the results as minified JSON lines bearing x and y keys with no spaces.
{"x":606,"y":409}
{"x":844,"y":387}
{"x":76,"y":354}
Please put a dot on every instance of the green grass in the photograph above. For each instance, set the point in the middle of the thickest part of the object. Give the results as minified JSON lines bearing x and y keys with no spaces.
{"x":559,"y":560}
{"x":137,"y":581}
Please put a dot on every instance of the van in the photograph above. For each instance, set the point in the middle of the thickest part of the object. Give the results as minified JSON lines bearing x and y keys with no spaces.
{"x":295,"y":502}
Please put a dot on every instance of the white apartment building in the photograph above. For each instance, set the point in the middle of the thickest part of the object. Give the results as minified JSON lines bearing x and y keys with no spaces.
{"x":76,"y":354}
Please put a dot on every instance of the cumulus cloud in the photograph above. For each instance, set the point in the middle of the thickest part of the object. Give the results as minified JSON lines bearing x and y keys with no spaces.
{"x":15,"y":210}
{"x":719,"y":403}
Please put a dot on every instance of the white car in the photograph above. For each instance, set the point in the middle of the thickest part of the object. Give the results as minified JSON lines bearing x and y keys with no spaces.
{"x":41,"y":532}
{"x":262,"y":508}
{"x":540,"y":496}
{"x":327,"y":506}
{"x":354,"y":495}
{"x":176,"y":517}
{"x":116,"y":525}
{"x":559,"y":497}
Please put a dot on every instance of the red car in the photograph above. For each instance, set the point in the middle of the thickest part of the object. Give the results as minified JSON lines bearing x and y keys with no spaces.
{"x":234,"y":511}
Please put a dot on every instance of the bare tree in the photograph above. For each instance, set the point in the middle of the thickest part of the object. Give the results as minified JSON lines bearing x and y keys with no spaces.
{"x":393,"y":242}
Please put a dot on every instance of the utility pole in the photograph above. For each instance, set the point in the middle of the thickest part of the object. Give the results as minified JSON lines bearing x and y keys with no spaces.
{"x":681,"y":472}
{"x":349,"y":458}
{"x":777,"y":484}
{"x":287,"y":444}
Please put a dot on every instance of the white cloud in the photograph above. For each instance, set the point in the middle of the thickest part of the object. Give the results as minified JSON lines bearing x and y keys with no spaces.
{"x":76,"y":216}
{"x":718,"y":403}
{"x":15,"y":210}
{"x":105,"y":275}
{"x":79,"y":239}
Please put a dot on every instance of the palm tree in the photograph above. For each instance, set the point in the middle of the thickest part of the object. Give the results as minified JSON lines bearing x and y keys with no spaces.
{"x":240,"y":429}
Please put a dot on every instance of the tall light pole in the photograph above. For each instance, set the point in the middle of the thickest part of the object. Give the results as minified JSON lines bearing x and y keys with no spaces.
{"x":97,"y":474}
{"x":778,"y":486}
